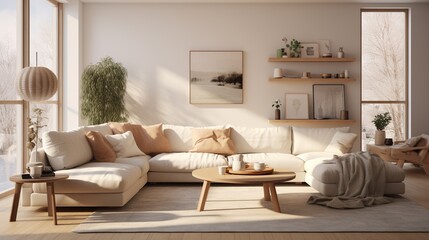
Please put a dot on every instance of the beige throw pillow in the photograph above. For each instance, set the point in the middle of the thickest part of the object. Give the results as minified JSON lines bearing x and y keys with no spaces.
{"x":212,"y":141}
{"x":101,"y":148}
{"x":124,"y":145}
{"x":150,"y":139}
{"x":341,"y":143}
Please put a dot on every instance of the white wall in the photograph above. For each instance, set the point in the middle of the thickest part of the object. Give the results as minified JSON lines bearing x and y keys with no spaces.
{"x":153,"y":42}
{"x":72,"y":62}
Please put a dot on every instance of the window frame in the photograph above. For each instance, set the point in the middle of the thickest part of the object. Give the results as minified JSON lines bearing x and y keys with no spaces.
{"x":407,"y":59}
{"x":23,"y":59}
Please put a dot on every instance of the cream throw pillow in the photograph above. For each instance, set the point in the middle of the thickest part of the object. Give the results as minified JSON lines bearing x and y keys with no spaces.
{"x":212,"y":141}
{"x":341,"y":143}
{"x":66,"y":150}
{"x":101,"y":148}
{"x":124,"y":145}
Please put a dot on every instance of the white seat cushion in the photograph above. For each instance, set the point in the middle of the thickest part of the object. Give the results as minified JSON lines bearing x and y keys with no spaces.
{"x":140,"y":161}
{"x":327,"y":172}
{"x":185,"y":162}
{"x":95,"y":177}
{"x":66,"y":149}
{"x":313,"y":155}
{"x":261,"y":140}
{"x":282,"y":161}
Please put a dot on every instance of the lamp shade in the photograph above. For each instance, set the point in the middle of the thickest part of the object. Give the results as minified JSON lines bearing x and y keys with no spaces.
{"x":36,"y":84}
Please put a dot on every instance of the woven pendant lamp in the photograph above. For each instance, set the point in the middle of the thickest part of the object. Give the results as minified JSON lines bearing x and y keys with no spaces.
{"x":36,"y":84}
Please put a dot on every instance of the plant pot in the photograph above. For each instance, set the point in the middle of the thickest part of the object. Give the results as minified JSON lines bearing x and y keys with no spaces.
{"x":277,"y":114}
{"x":379,"y":138}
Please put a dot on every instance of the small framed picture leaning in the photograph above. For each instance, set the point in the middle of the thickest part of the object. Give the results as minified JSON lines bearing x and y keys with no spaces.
{"x":296,"y":105}
{"x":310,"y":50}
{"x":328,"y":101}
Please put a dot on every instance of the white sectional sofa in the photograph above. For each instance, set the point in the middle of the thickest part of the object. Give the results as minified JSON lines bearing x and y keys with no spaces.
{"x":301,"y":150}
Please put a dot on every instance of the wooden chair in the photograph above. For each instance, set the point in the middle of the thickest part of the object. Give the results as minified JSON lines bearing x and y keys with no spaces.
{"x":417,"y":155}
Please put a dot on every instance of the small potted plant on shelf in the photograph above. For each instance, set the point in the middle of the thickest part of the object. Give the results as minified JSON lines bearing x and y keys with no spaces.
{"x":381,"y":121}
{"x":277,"y":105}
{"x":295,"y":48}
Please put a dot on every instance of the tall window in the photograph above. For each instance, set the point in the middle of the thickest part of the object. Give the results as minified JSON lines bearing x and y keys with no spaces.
{"x":10,"y":108}
{"x":43,"y":39}
{"x":384,"y":71}
{"x":44,"y":52}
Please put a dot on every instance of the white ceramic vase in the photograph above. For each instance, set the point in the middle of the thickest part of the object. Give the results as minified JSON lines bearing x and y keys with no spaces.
{"x":380,"y":136}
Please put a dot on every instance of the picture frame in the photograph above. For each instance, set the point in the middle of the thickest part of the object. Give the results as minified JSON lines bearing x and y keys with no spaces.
{"x":310,"y":50}
{"x":215,"y":77}
{"x":328,"y":100}
{"x":325,"y":46}
{"x":296,"y":105}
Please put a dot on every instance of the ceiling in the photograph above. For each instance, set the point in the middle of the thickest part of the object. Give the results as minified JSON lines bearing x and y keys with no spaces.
{"x":255,"y":1}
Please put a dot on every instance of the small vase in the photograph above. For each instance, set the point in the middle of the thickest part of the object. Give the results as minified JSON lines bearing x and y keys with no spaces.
{"x":277,"y":114}
{"x":380,"y":136}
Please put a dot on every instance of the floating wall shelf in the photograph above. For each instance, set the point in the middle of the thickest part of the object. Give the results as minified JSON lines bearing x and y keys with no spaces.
{"x":311,"y":59}
{"x":311,"y":121}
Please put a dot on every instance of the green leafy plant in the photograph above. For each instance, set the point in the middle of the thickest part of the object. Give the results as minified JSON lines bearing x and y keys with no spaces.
{"x":382,"y":120}
{"x":295,"y":48}
{"x":103,"y":90}
{"x":276,"y":104}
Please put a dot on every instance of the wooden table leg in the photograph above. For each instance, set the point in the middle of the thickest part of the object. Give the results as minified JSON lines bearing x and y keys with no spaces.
{"x":203,"y":196}
{"x":15,"y":203}
{"x":48,"y":195}
{"x":51,"y":196}
{"x":275,"y":200}
{"x":267,"y":196}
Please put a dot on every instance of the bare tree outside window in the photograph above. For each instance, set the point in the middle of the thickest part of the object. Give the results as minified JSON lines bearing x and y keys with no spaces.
{"x":384,"y":71}
{"x":9,"y":117}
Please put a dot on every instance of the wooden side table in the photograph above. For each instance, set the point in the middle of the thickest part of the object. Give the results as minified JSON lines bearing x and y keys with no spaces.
{"x":52,"y":209}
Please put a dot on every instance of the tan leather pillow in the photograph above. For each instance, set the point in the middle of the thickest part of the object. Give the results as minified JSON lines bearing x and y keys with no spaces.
{"x":101,"y":148}
{"x":212,"y":141}
{"x":150,"y":139}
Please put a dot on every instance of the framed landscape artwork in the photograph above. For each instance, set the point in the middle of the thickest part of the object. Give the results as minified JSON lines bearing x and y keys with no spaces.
{"x":216,"y":77}
{"x":296,"y":106}
{"x":328,"y":100}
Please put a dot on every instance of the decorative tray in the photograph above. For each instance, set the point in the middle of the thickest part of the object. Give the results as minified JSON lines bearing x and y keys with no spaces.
{"x":251,"y":171}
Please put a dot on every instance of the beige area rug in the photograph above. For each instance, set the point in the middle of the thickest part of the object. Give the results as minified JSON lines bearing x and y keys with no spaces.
{"x":163,"y":208}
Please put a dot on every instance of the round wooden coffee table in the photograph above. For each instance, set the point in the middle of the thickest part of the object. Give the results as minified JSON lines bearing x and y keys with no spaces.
{"x":210,"y":175}
{"x":52,"y":210}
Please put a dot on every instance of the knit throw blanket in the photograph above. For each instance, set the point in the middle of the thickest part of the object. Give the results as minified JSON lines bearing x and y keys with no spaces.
{"x":362,"y":181}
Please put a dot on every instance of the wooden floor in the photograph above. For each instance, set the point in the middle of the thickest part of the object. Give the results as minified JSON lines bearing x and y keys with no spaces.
{"x":33,"y":223}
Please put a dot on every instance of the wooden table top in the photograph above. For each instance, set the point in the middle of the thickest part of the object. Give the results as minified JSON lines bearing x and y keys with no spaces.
{"x":57,"y":177}
{"x":212,"y":175}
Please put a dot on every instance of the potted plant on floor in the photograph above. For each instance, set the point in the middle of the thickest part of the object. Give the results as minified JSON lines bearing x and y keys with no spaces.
{"x":103,"y":91}
{"x":381,"y":121}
